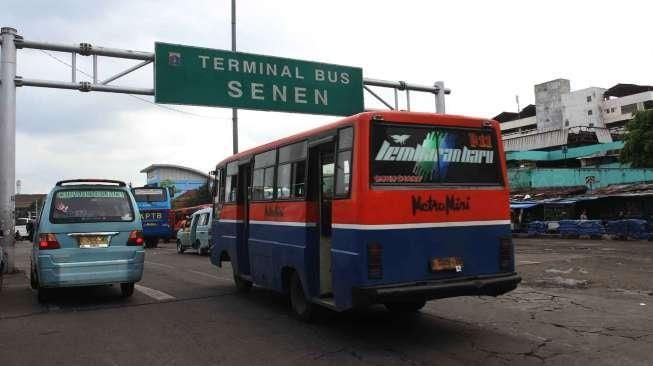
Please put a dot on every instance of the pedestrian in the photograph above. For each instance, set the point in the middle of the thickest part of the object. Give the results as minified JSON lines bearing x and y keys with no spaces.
{"x":583,"y":215}
{"x":30,"y":229}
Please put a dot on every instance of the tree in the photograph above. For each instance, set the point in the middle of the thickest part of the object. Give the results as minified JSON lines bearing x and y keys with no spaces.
{"x":167,"y":183}
{"x":638,"y":142}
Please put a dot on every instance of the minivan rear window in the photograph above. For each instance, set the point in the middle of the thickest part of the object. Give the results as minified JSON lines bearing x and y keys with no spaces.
{"x":91,"y":205}
{"x":149,"y":194}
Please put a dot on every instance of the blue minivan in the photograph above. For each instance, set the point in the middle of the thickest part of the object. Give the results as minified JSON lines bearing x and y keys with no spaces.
{"x":89,"y":233}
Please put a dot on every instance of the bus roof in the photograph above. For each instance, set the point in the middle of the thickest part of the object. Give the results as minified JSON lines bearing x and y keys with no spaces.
{"x":395,"y":116}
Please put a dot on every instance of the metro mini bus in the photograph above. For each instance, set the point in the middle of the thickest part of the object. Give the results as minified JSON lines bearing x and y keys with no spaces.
{"x":396,"y":208}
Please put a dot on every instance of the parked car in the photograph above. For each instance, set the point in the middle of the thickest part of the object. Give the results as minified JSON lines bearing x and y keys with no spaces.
{"x":183,"y":235}
{"x":196,"y":233}
{"x":21,"y":228}
{"x":89,"y":233}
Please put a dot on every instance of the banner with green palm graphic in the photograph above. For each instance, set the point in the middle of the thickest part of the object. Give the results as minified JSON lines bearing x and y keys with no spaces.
{"x":425,"y":154}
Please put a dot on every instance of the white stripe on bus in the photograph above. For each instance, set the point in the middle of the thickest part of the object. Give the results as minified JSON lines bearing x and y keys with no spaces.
{"x":425,"y":225}
{"x":283,"y":223}
{"x":227,"y":221}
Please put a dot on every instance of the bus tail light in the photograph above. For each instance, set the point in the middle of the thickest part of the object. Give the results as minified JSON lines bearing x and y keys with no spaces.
{"x":48,"y":241}
{"x":374,"y":261}
{"x":136,"y":238}
{"x":506,"y":254}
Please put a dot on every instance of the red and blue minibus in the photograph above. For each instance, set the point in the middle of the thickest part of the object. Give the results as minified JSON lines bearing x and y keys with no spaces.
{"x":395,"y":208}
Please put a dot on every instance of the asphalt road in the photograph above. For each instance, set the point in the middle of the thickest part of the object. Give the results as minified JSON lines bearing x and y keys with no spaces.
{"x":582,"y":302}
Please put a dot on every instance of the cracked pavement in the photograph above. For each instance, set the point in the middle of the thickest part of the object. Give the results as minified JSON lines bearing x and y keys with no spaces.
{"x":581,"y":302}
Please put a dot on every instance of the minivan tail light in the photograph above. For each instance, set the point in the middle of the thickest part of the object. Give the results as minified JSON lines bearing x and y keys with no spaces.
{"x":136,"y":238}
{"x":48,"y":241}
{"x":506,"y":254}
{"x":374,"y":261}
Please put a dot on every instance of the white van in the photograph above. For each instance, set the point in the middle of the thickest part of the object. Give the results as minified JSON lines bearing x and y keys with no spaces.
{"x":197,"y":232}
{"x":21,"y":228}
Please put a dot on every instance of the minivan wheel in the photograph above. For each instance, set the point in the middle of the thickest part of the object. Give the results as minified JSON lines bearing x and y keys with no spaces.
{"x":43,"y":294}
{"x":301,"y":305}
{"x":33,"y":281}
{"x":180,"y":248}
{"x":127,"y":289}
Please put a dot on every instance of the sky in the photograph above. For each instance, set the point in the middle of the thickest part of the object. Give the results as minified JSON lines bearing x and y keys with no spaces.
{"x":487,"y":52}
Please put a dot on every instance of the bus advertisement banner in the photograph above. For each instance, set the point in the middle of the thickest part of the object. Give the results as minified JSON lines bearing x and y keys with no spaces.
{"x":427,"y":155}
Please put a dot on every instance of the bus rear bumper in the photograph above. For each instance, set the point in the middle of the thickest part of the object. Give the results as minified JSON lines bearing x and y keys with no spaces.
{"x":487,"y":285}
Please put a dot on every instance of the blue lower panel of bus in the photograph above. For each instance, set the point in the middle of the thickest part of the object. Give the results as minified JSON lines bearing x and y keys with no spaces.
{"x":406,"y":258}
{"x":407,"y":255}
{"x":157,"y":230}
{"x":275,"y":247}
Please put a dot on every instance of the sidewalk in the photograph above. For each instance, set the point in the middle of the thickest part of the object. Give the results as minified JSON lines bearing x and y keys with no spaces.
{"x":17,"y":298}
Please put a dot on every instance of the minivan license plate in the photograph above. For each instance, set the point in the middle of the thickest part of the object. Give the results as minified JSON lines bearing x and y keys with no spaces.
{"x":93,"y":241}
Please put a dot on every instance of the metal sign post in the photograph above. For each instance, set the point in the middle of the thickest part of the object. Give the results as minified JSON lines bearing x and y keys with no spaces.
{"x":7,"y":143}
{"x":234,"y":112}
{"x":10,"y":41}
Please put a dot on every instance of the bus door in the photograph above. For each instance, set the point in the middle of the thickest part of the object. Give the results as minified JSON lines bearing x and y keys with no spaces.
{"x":193,"y":229}
{"x":321,"y":184}
{"x":244,"y":182}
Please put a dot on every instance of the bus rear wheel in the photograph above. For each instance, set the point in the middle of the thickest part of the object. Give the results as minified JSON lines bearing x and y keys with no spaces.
{"x":301,"y":305}
{"x":151,"y":242}
{"x":405,"y":306}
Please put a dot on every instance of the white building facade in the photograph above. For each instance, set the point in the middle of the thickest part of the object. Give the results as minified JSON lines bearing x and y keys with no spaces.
{"x":561,"y":116}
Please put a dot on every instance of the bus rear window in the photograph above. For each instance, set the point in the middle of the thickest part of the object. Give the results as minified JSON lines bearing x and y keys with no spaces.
{"x":149,"y":194}
{"x":77,"y":206}
{"x":433,"y":155}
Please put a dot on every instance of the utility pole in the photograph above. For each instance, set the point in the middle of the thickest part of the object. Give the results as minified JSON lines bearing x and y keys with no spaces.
{"x":7,"y":142}
{"x":234,"y":112}
{"x":439,"y":97}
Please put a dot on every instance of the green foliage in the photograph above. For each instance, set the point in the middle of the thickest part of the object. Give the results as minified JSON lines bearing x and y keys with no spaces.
{"x":638,"y":147}
{"x":203,"y":195}
{"x":196,"y":197}
{"x":167,"y":183}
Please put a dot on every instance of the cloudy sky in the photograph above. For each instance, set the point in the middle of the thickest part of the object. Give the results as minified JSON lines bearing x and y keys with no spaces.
{"x":486,"y":52}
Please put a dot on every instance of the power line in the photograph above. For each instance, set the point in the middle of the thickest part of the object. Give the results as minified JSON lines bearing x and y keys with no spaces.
{"x":135,"y":96}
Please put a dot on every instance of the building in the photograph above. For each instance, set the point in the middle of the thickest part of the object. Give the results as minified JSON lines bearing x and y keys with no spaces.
{"x":29,"y":205}
{"x":563,"y":118}
{"x":182,"y":178}
{"x":572,"y":138}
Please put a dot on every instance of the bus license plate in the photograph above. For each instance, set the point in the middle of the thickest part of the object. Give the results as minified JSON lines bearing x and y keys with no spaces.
{"x":447,"y":264}
{"x":93,"y":241}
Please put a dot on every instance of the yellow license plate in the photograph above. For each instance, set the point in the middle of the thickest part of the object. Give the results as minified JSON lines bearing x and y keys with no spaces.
{"x":93,"y":241}
{"x":447,"y":264}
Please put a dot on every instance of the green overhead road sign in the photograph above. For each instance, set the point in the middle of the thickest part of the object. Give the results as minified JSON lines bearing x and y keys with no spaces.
{"x":218,"y":78}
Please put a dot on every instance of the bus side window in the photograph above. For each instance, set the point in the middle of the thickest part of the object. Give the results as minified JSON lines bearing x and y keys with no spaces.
{"x":343,"y":161}
{"x":263,"y":176}
{"x":291,"y":171}
{"x":231,"y":182}
{"x":218,"y":188}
